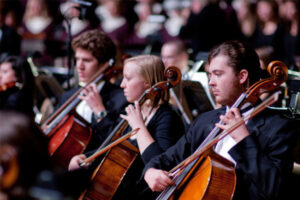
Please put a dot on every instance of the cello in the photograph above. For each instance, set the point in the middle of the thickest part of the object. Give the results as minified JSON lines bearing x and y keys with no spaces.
{"x":110,"y":172}
{"x":205,"y":174}
{"x":69,"y":133}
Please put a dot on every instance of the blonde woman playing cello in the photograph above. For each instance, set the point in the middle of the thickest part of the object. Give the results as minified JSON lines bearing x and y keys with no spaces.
{"x":261,"y":149}
{"x":159,"y":125}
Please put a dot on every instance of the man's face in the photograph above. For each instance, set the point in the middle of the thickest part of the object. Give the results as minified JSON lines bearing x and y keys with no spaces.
{"x":86,"y":64}
{"x":224,"y":83}
{"x":171,"y":57}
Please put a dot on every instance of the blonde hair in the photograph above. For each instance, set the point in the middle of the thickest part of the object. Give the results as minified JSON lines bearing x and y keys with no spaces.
{"x":151,"y":68}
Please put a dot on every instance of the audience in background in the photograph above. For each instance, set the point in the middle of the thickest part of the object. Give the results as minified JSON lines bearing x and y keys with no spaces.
{"x":246,"y":18}
{"x":292,"y":32}
{"x":206,"y":25}
{"x":269,"y":29}
{"x":10,"y":40}
{"x":113,"y":21}
{"x":143,"y":26}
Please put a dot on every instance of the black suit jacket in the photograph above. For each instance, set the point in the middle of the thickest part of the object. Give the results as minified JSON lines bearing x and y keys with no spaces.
{"x":263,"y":159}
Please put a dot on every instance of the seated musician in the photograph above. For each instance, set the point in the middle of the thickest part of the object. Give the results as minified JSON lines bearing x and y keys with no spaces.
{"x":260,"y":149}
{"x":190,"y":94}
{"x":159,"y":125}
{"x":93,"y":49}
{"x":16,"y":85}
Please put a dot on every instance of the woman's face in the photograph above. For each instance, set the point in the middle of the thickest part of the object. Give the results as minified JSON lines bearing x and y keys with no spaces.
{"x":290,"y":10}
{"x":242,"y":10}
{"x":133,"y":84}
{"x":7,"y":73}
{"x":264,"y":11}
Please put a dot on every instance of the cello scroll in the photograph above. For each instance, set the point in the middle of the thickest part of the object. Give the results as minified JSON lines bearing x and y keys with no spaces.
{"x":173,"y":76}
{"x":278,"y":72}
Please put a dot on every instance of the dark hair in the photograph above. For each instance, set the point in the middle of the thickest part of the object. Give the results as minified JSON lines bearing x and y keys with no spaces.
{"x":22,"y":71}
{"x":98,"y":43}
{"x":241,"y":56}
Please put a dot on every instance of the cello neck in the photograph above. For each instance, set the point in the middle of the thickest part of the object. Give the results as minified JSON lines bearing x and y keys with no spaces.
{"x":72,"y":102}
{"x":217,"y":130}
{"x":121,"y":126}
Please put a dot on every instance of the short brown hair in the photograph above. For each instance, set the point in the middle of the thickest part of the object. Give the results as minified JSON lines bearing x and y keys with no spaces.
{"x":240,"y":56}
{"x":98,"y":43}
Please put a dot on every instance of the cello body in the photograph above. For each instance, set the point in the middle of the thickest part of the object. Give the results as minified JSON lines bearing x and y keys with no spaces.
{"x":71,"y":137}
{"x":110,"y":173}
{"x":207,"y":175}
{"x":212,"y":177}
{"x":68,"y":133}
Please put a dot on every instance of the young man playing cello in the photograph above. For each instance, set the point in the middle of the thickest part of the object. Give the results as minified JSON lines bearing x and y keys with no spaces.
{"x":93,"y":50}
{"x":261,"y":149}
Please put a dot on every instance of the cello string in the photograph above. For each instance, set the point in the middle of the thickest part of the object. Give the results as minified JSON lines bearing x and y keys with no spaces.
{"x":108,"y":147}
{"x":273,"y":98}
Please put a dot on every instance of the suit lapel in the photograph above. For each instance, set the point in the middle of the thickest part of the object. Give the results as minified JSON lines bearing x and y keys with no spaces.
{"x":214,"y":119}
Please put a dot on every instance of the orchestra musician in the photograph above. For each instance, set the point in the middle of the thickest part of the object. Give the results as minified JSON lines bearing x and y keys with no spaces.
{"x":190,"y":94}
{"x":175,"y":52}
{"x":17,"y":85}
{"x":159,"y":125}
{"x":93,"y":50}
{"x":261,"y":148}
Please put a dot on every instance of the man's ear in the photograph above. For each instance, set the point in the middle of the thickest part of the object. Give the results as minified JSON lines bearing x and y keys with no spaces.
{"x":243,"y":76}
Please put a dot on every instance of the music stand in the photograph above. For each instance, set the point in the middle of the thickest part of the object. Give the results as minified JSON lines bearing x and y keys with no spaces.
{"x":294,"y":87}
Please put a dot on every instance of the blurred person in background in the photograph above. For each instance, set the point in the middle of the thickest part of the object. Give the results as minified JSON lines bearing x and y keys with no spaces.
{"x":41,"y":31}
{"x":147,"y":30}
{"x":113,"y":21}
{"x":269,"y":30}
{"x":206,"y":25}
{"x":245,"y":10}
{"x":188,"y":93}
{"x":81,"y":17}
{"x":10,"y":40}
{"x":177,"y":14}
{"x":292,"y":33}
{"x":18,"y":86}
